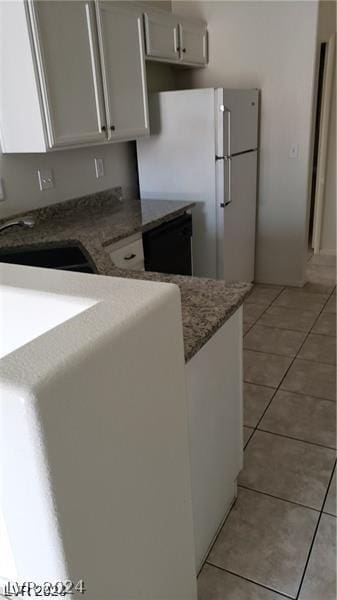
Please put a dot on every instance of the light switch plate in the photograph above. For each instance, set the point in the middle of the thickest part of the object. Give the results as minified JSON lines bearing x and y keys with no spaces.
{"x":99,"y":167}
{"x":46,"y":179}
{"x":293,"y":152}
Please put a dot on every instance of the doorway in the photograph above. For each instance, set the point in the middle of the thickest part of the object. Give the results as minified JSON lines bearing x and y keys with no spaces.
{"x":321,"y":135}
{"x":322,"y":57}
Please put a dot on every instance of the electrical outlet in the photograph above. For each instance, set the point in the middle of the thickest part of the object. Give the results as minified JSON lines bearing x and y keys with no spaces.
{"x":99,"y":167}
{"x":46,"y":179}
{"x":293,"y":152}
{"x":2,"y":191}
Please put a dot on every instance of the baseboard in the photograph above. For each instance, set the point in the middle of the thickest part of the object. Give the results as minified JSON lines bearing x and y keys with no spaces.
{"x":326,"y":253}
{"x":299,"y":283}
{"x":229,"y":508}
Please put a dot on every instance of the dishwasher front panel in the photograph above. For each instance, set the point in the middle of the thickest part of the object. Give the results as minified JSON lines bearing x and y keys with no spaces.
{"x":167,"y":248}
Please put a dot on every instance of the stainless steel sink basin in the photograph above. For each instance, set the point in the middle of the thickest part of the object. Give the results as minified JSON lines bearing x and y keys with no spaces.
{"x":68,"y":258}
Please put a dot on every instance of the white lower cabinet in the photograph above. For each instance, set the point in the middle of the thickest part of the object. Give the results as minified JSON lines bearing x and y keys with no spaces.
{"x":214,"y":390}
{"x":128,"y":253}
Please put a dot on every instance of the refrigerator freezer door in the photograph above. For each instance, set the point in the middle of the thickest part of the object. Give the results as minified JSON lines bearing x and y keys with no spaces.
{"x":177,"y":163}
{"x":236,"y":220}
{"x":243,"y":107}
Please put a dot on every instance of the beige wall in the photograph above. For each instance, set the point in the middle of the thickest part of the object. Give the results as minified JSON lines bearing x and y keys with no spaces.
{"x":326,"y":20}
{"x":162,"y":4}
{"x":328,"y":233}
{"x":271,"y":46}
{"x":326,"y":28}
{"x":73,"y":172}
{"x":160,"y":77}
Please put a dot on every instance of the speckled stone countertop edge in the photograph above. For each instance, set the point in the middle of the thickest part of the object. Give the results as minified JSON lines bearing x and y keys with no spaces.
{"x":206,"y":303}
{"x":190,"y":353}
{"x":148,"y":226}
{"x":105,"y":213}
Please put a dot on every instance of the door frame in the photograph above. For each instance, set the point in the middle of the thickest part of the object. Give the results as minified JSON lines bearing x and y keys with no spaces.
{"x":323,"y":142}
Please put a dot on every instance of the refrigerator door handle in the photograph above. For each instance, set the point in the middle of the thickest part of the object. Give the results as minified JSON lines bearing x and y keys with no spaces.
{"x":224,"y":108}
{"x":228,"y":160}
{"x":228,"y":113}
{"x":227,"y":157}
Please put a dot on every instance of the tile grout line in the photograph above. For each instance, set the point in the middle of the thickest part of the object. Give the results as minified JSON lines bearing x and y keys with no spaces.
{"x":270,"y":387}
{"x":315,"y":534}
{"x":256,"y":428}
{"x":266,"y":308}
{"x":328,"y":296}
{"x":261,"y":585}
{"x":275,"y":389}
{"x":292,"y":355}
{"x":281,"y":594}
{"x":296,"y":439}
{"x":246,"y":487}
{"x":292,"y":362}
{"x":288,"y":328}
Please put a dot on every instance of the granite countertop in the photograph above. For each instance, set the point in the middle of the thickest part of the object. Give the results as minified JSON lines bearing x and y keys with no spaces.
{"x":206,"y":304}
{"x":96,"y":221}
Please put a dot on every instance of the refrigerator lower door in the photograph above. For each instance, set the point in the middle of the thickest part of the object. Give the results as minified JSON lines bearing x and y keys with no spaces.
{"x":236,"y":217}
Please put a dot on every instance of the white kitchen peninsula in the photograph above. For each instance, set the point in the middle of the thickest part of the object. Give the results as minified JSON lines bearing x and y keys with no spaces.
{"x":92,"y":487}
{"x":211,"y":318}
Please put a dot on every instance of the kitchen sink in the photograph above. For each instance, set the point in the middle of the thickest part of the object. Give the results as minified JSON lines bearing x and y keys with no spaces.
{"x":67,"y":258}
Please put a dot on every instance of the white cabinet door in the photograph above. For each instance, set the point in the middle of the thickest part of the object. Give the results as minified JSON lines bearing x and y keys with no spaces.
{"x":193,"y":42}
{"x":161,"y":36}
{"x":120,"y":30}
{"x":67,"y":57}
{"x":215,"y":407}
{"x":128,"y":253}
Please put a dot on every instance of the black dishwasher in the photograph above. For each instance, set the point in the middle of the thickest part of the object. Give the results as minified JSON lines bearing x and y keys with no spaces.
{"x":167,"y":248}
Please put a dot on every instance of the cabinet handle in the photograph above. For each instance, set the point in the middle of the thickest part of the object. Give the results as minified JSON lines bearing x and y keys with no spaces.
{"x":184,"y":49}
{"x":112,"y":127}
{"x":129,"y":256}
{"x":103,"y":128}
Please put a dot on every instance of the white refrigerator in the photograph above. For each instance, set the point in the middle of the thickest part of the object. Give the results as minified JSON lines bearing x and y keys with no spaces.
{"x":203,"y":148}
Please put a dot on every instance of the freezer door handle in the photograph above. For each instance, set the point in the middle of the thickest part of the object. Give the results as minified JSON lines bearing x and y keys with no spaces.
{"x":226,"y":110}
{"x":228,"y":113}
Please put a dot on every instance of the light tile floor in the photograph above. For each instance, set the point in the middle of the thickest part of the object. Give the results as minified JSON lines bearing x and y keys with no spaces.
{"x":279,"y":540}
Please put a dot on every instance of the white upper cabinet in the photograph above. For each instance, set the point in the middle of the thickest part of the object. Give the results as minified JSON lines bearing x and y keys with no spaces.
{"x":66,"y":52}
{"x":121,"y":40}
{"x":193,"y":42}
{"x":169,"y":38}
{"x":161,"y":36}
{"x":72,"y":74}
{"x":73,"y":71}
